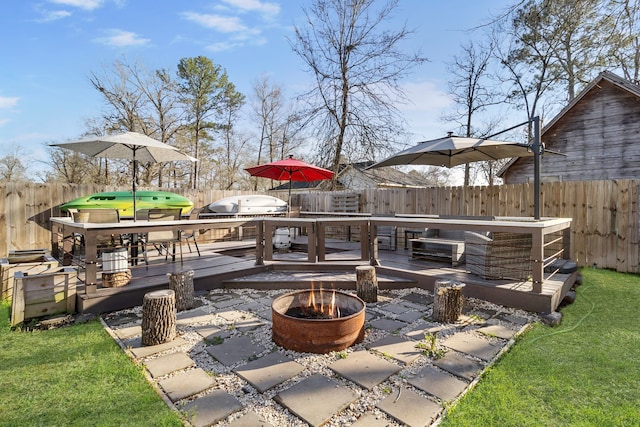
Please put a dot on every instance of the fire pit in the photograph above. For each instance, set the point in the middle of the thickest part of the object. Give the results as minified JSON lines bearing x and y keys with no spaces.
{"x":317,"y":321}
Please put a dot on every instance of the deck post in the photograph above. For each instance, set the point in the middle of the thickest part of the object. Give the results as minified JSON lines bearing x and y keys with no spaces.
{"x":260,"y":242}
{"x":537,"y":260}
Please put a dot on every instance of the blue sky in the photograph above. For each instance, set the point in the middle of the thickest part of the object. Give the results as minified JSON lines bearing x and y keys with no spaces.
{"x":49,"y":48}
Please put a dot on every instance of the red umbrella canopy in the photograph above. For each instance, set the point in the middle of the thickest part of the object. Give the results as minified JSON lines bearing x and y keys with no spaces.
{"x":290,"y":170}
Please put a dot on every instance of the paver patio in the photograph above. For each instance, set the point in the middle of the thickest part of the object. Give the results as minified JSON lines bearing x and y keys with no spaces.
{"x":245,"y":380}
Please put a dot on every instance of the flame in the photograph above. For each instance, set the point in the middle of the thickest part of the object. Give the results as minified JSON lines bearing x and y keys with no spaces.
{"x":332,"y":306}
{"x":315,"y":308}
{"x":312,"y":299}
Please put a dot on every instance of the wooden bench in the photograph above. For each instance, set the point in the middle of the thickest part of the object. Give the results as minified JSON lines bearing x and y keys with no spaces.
{"x":434,"y":247}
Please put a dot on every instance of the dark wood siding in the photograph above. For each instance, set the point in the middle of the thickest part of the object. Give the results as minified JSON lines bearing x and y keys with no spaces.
{"x":600,"y":136}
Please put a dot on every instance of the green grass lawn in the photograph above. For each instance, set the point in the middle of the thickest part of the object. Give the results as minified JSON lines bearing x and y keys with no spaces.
{"x":73,"y":376}
{"x":585,"y":372}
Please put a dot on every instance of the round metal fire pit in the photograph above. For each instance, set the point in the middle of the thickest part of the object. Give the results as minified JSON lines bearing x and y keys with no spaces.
{"x":317,"y":335}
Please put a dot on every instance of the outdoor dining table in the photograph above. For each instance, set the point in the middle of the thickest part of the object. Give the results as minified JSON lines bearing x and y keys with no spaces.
{"x":65,"y":226}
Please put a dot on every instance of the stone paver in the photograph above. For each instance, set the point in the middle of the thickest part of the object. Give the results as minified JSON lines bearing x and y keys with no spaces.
{"x":128,"y":332}
{"x":438,"y":383}
{"x":250,"y":419}
{"x":316,"y":399}
{"x":364,"y":369}
{"x":234,"y":315}
{"x":387,"y":324}
{"x":168,"y":363}
{"x":499,"y":331}
{"x":371,"y":420}
{"x":513,"y":319}
{"x":473,"y":345}
{"x":418,"y":333}
{"x":394,"y":308}
{"x":226,"y":303}
{"x":409,"y":316}
{"x":414,"y":306}
{"x":420,"y":299}
{"x":234,"y":350}
{"x":248,"y":324}
{"x":268,"y":371}
{"x":122,"y":319}
{"x":250,"y":307}
{"x":140,"y":351}
{"x":397,"y":347}
{"x":459,"y":365}
{"x":210,"y":333}
{"x":199,"y":315}
{"x":410,"y":408}
{"x":211,"y":408}
{"x":186,"y":384}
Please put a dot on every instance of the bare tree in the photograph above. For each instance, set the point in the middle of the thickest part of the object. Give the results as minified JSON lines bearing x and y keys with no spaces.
{"x":162,"y":117}
{"x":11,"y":167}
{"x":472,"y":90}
{"x":624,"y":44}
{"x":357,"y":64}
{"x":280,"y":123}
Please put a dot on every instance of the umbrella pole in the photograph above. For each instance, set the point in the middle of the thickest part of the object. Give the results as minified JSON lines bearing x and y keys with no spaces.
{"x":289,"y":199}
{"x":135,"y":169}
{"x":536,"y":167}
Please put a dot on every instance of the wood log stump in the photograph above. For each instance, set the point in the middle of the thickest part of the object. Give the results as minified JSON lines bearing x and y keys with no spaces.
{"x":367,"y":283}
{"x":447,"y":301}
{"x":158,"y":317}
{"x":182,"y":284}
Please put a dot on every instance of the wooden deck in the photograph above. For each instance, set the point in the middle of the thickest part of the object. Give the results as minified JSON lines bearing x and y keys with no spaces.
{"x":233,"y":265}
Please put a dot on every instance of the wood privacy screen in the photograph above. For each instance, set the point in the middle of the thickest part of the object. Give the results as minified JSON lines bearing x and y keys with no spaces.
{"x":604,"y":231}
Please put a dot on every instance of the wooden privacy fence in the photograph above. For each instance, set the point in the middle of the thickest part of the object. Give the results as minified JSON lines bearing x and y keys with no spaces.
{"x":604,"y":230}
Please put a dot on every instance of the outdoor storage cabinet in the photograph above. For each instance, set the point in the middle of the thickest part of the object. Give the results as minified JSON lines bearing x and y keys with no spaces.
{"x":43,"y":294}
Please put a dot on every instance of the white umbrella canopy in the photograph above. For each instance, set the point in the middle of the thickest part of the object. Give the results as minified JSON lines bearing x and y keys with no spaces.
{"x":129,"y":145}
{"x":452,"y":151}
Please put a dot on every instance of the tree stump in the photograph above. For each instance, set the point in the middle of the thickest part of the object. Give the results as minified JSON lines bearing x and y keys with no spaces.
{"x":367,"y":283}
{"x":182,"y":284}
{"x":158,"y":317}
{"x":447,"y":301}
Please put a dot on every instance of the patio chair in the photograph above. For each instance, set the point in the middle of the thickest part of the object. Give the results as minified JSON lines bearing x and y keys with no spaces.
{"x":499,"y":255}
{"x":387,"y":235}
{"x":100,"y":216}
{"x":191,"y":233}
{"x":161,"y":240}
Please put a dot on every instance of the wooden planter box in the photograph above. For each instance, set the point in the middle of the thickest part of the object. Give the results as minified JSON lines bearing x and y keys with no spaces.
{"x":43,"y":294}
{"x":29,"y":262}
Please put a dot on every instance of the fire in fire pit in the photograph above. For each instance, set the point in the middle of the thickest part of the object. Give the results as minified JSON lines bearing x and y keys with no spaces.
{"x":317,"y":321}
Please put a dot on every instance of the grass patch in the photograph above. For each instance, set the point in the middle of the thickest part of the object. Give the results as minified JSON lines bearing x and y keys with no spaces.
{"x":581,"y":373}
{"x":73,"y":376}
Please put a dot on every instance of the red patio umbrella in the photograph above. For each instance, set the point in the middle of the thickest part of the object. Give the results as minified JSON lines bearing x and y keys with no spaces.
{"x":290,"y":170}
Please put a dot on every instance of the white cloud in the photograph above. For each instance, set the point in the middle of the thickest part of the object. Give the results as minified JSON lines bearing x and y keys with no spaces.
{"x":267,"y":9}
{"x":53,"y":15}
{"x":8,"y":102}
{"x":121,"y":38}
{"x":223,"y":24}
{"x":82,"y":4}
{"x":3,"y":121}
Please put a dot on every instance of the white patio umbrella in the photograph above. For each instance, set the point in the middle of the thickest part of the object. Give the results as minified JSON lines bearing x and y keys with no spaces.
{"x":129,"y":145}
